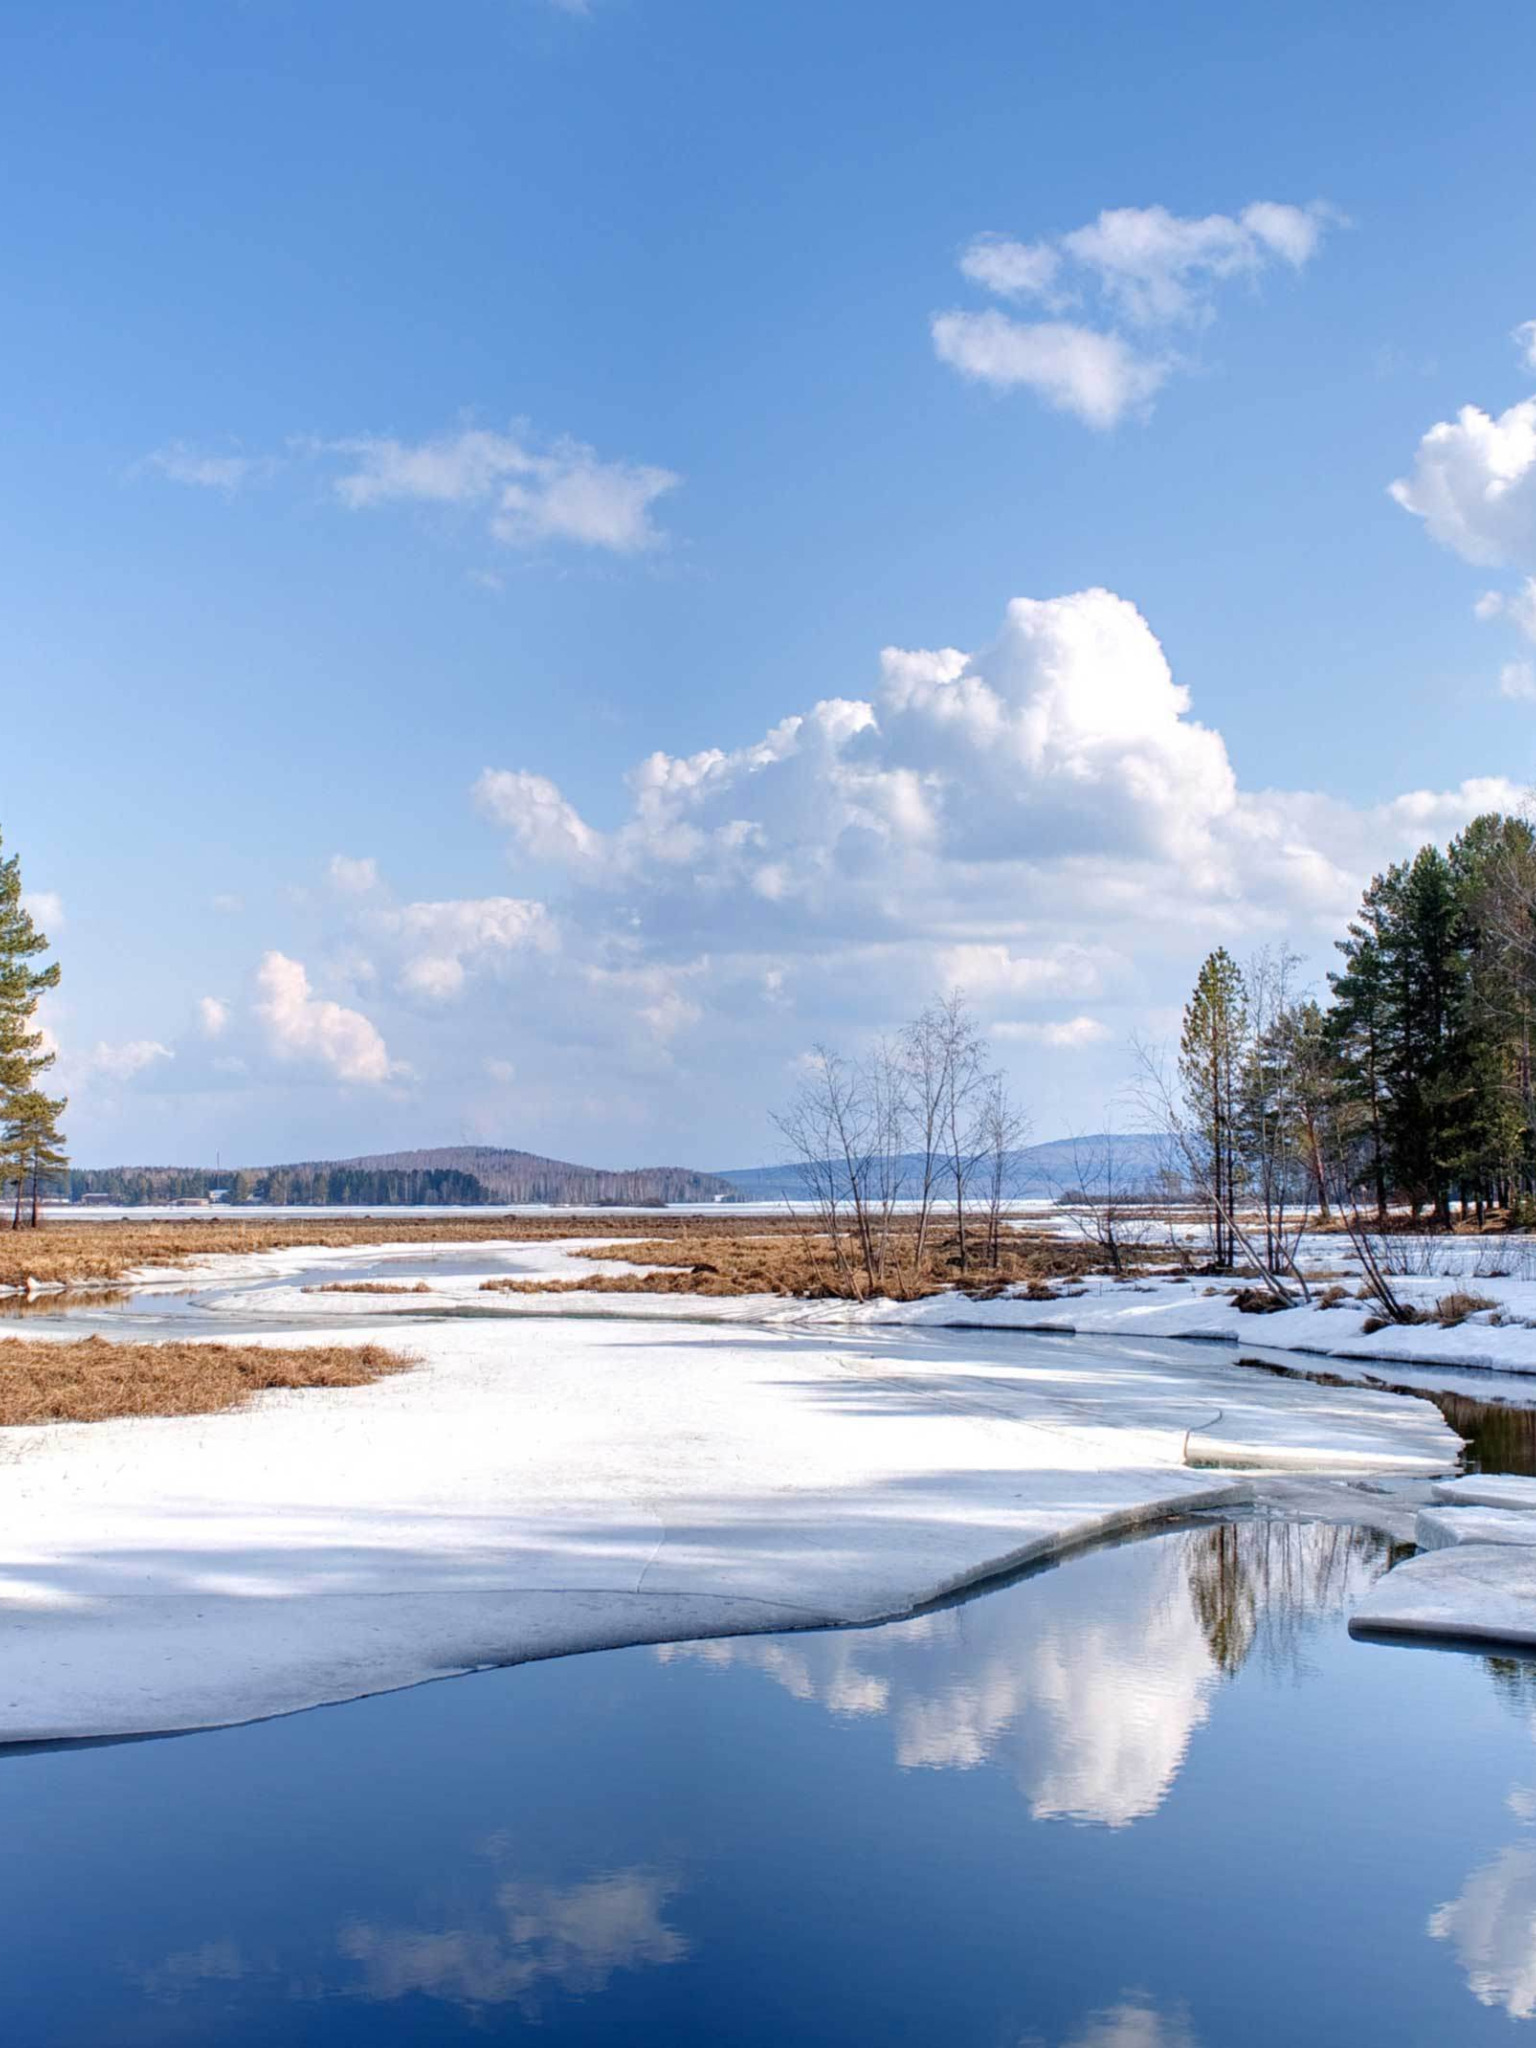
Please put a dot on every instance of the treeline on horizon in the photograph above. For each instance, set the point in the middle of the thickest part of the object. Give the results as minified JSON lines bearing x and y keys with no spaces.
{"x":317,"y":1186}
{"x":488,"y":1175}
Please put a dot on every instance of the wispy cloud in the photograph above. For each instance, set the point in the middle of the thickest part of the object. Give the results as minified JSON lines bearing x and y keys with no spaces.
{"x":564,"y":491}
{"x":1142,"y":273}
{"x":530,"y":491}
{"x":208,"y":469}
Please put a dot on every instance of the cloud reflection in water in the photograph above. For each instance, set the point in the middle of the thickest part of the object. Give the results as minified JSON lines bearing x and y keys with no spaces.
{"x":1087,"y":1694}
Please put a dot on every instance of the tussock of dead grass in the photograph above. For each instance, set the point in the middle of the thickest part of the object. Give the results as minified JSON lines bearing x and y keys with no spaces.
{"x":800,"y":1263}
{"x":369,"y":1287}
{"x":73,"y":1249}
{"x":719,"y":1254}
{"x":94,"y":1380}
{"x":1455,"y":1307}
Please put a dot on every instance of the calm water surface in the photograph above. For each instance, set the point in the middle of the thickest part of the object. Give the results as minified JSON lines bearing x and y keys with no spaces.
{"x":1155,"y":1798}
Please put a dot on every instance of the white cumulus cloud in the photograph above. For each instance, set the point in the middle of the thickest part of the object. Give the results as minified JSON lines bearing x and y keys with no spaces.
{"x":1473,"y":483}
{"x":538,"y":816}
{"x":1043,"y":818}
{"x":442,"y":939}
{"x":303,"y":1026}
{"x":212,"y":1016}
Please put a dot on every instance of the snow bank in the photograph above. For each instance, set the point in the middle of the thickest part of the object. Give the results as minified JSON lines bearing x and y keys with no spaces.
{"x":1465,"y":1593}
{"x":1439,"y":1528}
{"x":539,"y":1488}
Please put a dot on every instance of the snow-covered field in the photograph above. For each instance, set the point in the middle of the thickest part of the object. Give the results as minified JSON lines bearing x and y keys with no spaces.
{"x":1500,"y":1338}
{"x":565,"y":1472}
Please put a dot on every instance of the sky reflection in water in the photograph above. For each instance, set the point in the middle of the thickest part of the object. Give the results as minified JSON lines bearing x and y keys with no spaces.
{"x":1153,"y":1799}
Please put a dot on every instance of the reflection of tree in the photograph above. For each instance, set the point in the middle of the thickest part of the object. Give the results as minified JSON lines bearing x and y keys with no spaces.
{"x":1222,"y":1587}
{"x":1514,"y":1680}
{"x":1500,"y":1438}
{"x":1267,"y":1582}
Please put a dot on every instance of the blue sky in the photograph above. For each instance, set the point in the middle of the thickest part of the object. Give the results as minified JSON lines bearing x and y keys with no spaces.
{"x":395,"y":395}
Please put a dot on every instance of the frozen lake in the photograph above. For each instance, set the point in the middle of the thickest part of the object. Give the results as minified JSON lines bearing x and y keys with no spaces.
{"x":1153,"y":1798}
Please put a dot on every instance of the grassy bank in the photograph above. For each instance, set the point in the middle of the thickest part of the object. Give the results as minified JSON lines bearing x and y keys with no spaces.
{"x":96,"y":1381}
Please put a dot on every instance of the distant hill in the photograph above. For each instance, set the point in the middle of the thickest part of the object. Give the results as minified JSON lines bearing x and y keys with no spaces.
{"x":446,"y":1173}
{"x":1044,"y":1170}
{"x":509,"y":1176}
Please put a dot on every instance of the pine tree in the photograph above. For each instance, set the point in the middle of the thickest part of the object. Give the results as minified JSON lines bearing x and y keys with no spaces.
{"x":31,"y":1140}
{"x":31,"y":1147}
{"x":1211,"y":1052}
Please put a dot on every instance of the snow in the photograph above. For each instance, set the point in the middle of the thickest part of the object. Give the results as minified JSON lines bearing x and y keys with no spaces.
{"x":1153,"y":1307}
{"x":1438,"y":1528}
{"x":1468,"y":1592}
{"x":568,"y":1471}
{"x":537,"y":1488}
{"x":1487,"y":1490}
{"x":1501,"y":1270}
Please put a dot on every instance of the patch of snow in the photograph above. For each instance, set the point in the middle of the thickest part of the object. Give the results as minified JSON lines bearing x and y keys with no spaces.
{"x":543,"y":1487}
{"x":1470,"y":1592}
{"x":1439,"y":1528}
{"x":1487,"y":1490}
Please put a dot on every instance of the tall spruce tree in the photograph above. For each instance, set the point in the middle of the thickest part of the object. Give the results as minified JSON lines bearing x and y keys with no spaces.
{"x":1357,"y":1032}
{"x":1494,"y":865}
{"x":1212,"y":1047}
{"x":1428,"y":1098}
{"x":30,"y":1140}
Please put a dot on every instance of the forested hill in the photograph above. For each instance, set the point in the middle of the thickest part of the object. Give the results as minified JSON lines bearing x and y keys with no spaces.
{"x":509,"y":1176}
{"x":449,"y":1173}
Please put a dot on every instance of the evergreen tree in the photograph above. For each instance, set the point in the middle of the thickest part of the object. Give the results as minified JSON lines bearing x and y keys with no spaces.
{"x":1494,"y":864}
{"x":1212,"y":1048}
{"x":1428,"y":1113}
{"x":32,"y":1148}
{"x":1357,"y":1032}
{"x":31,"y":1140}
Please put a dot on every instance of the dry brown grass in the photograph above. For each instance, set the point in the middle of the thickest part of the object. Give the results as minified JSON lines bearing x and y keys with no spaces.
{"x":799,"y":1262}
{"x":1455,"y":1307}
{"x":369,"y":1287}
{"x":716,"y":1254}
{"x":89,"y":1249}
{"x":94,"y":1380}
